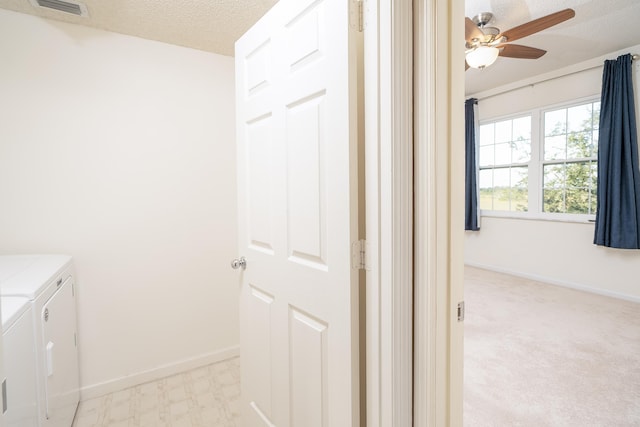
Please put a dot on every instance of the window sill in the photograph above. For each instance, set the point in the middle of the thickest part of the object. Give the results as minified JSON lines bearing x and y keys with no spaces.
{"x":568,"y":218}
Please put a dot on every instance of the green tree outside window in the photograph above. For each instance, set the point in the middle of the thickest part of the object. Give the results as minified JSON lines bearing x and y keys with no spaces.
{"x":570,"y":159}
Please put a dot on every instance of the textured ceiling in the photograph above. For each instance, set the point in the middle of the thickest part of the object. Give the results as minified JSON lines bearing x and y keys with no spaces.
{"x":211,"y":25}
{"x":599,"y":28}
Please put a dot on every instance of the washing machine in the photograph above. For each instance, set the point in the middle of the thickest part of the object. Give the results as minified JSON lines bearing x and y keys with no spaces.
{"x":20,"y":385}
{"x":47,"y":281}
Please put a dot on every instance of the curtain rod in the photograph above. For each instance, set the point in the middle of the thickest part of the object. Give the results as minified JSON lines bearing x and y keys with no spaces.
{"x":634,"y":57}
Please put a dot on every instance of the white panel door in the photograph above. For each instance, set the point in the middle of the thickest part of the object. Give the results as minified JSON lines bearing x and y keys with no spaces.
{"x":297,"y":192}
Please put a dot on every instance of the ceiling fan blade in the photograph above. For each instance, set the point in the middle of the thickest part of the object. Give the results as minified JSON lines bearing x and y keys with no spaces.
{"x":519,"y":51}
{"x":471,"y":31}
{"x":536,"y":25}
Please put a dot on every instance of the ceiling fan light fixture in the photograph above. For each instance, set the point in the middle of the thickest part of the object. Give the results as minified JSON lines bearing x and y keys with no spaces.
{"x":482,"y":56}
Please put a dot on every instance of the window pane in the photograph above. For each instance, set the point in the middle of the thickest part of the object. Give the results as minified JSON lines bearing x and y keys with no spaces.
{"x":555,"y":147}
{"x":578,"y":175}
{"x":501,"y":178}
{"x":553,"y":176}
{"x":486,"y":199}
{"x":579,"y":118}
{"x":594,"y":185}
{"x":577,"y":201}
{"x":579,"y":145}
{"x":486,"y":155}
{"x":505,"y":143}
{"x":503,"y":154}
{"x":503,"y":131}
{"x":596,"y":115}
{"x":501,"y":199}
{"x":521,"y":151}
{"x":522,"y":129}
{"x":486,"y":189}
{"x":553,"y":200}
{"x":486,"y":134}
{"x":520,"y":177}
{"x":519,"y":200}
{"x":501,"y":189}
{"x":568,"y":186}
{"x":555,"y":122}
{"x":519,"y":189}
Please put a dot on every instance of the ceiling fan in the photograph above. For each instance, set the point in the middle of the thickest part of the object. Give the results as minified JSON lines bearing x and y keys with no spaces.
{"x":484,"y":43}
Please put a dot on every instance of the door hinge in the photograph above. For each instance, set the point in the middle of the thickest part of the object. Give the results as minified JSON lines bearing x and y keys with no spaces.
{"x":461,"y":311}
{"x":359,"y":255}
{"x":357,"y":15}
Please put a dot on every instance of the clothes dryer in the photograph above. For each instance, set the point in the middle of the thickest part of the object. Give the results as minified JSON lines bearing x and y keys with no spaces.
{"x":47,"y":282}
{"x":20,"y":386}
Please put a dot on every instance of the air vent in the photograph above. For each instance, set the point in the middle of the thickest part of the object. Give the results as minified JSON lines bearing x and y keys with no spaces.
{"x":72,"y":7}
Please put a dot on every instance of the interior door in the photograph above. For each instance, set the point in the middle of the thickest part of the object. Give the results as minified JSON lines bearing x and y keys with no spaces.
{"x":297,"y":191}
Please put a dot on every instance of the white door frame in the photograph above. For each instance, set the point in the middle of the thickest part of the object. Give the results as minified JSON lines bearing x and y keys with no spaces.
{"x":388,"y":101}
{"x":439,"y":209}
{"x":414,"y":341}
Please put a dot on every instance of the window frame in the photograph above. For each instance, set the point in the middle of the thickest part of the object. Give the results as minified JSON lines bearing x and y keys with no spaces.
{"x":536,"y":165}
{"x":527,"y":164}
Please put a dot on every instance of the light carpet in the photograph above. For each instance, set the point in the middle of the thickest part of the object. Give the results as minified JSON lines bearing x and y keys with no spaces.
{"x":543,"y":355}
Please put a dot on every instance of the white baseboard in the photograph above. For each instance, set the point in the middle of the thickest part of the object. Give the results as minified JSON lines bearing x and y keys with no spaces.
{"x":117,"y":384}
{"x":552,"y":281}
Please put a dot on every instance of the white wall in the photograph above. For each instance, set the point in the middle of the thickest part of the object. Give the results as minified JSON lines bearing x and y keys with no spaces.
{"x":120,"y":151}
{"x":557,"y":252}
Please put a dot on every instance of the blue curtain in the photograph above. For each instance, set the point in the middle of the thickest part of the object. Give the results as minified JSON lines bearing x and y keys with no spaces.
{"x":618,"y":214}
{"x":471,"y":176}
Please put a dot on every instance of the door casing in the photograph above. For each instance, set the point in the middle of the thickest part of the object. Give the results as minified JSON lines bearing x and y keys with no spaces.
{"x":416,"y":242}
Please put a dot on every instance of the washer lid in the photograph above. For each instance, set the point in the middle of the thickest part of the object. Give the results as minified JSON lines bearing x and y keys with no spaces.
{"x":12,"y":309}
{"x":12,"y":264}
{"x":28,"y":275}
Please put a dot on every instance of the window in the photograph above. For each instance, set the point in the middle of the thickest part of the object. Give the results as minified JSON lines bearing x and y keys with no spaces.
{"x":570,"y":159}
{"x":548,"y":170}
{"x":505,"y":152}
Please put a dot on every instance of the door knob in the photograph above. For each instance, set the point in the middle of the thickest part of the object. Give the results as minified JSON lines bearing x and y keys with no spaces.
{"x":239,"y":263}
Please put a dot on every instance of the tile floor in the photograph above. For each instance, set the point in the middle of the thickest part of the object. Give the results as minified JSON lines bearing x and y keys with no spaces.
{"x":204,"y":397}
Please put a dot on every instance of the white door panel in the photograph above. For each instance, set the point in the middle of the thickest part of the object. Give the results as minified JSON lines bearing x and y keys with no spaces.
{"x":308,"y":370}
{"x":296,"y":131}
{"x":258,"y":369}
